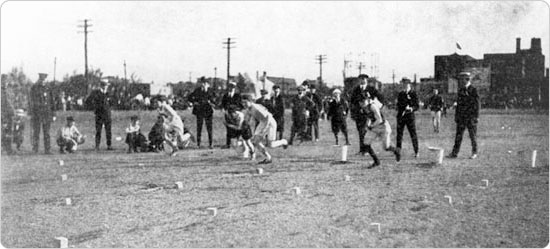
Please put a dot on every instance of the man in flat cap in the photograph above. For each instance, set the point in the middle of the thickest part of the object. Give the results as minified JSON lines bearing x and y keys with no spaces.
{"x":42,"y":112}
{"x":407,"y":105}
{"x":230,"y":98}
{"x":467,"y":114}
{"x":101,"y":101}
{"x":301,"y":108}
{"x":313,"y":121}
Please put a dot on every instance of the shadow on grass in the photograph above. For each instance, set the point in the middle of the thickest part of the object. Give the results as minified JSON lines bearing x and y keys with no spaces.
{"x":429,"y":165}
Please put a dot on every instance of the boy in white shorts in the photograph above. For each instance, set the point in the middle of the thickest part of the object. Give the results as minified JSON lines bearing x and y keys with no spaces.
{"x":173,"y":127}
{"x":266,"y":128}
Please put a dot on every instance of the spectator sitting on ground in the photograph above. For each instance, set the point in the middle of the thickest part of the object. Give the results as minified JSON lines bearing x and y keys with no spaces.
{"x":156,"y":135}
{"x":134,"y":138}
{"x":68,"y":137}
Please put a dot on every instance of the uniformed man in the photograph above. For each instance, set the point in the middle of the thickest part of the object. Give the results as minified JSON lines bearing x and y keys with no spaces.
{"x":101,"y":101}
{"x":466,"y":114}
{"x":278,"y":104}
{"x":42,"y":111}
{"x":203,"y":99}
{"x":407,"y":104}
{"x":230,"y":98}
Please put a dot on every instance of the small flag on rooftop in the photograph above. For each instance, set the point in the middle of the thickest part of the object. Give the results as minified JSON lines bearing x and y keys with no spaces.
{"x":458,"y":46}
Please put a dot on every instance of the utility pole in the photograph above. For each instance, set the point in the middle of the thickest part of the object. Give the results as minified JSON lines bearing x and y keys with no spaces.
{"x":54,"y":67}
{"x":228,"y":46}
{"x":321,"y":59}
{"x":125,"y":79}
{"x":190,"y":76}
{"x":393,"y":76}
{"x":86,"y":31}
{"x":215,"y":75}
{"x":346,"y":62}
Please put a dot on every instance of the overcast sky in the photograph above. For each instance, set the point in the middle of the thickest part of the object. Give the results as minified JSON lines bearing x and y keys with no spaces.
{"x":166,"y":41}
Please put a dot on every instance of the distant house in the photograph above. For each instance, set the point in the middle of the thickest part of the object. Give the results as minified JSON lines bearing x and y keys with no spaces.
{"x":288,"y":85}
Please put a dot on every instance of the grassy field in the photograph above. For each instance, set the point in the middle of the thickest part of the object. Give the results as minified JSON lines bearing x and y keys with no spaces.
{"x":130,"y":200}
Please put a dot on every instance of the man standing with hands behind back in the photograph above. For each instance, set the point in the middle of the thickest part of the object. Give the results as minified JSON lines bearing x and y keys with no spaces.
{"x":42,"y":110}
{"x":203,"y":98}
{"x":467,"y":114}
{"x":407,"y":104}
{"x":101,"y":102}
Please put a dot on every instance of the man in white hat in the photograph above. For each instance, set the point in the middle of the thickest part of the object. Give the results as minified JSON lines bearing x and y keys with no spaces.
{"x":467,"y":114}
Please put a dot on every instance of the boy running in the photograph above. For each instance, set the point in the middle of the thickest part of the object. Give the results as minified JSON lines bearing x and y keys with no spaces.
{"x":378,"y":128}
{"x":267,"y":127}
{"x":337,"y":113}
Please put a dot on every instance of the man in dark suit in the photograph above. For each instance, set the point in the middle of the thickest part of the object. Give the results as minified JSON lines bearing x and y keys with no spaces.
{"x":467,"y":114}
{"x":42,"y":111}
{"x":358,"y":95}
{"x":230,"y":98}
{"x":203,"y":99}
{"x":301,"y":109}
{"x":407,"y":104}
{"x":101,"y":100}
{"x":278,"y":104}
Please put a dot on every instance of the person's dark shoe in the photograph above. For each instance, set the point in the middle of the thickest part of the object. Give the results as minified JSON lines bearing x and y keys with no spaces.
{"x":210,"y":147}
{"x":225,"y":147}
{"x":265,"y":161}
{"x":48,"y":152}
{"x":374,"y":164}
{"x":110,"y":148}
{"x":397,"y":154}
{"x":347,"y":143}
{"x":452,"y":155}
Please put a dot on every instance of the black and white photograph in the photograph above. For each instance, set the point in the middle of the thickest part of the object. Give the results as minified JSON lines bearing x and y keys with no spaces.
{"x":274,"y":124}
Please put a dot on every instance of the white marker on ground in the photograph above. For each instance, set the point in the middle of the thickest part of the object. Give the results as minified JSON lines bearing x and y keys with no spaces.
{"x":376,"y":224}
{"x":179,"y":185}
{"x":212,"y":211}
{"x":344,"y":153}
{"x":347,"y":178}
{"x":534,"y":159}
{"x":63,"y":177}
{"x":61,"y":163}
{"x":450,"y":199}
{"x":259,"y":171}
{"x":61,"y":242}
{"x":297,"y":190}
{"x":486,"y":182}
{"x":68,"y":201}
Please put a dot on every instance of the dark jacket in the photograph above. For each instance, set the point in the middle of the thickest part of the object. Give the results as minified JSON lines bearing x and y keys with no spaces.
{"x":318,"y":102}
{"x":405,"y":99}
{"x":41,"y":101}
{"x":228,"y":101}
{"x":300,"y":106}
{"x":337,"y":110}
{"x":266,"y":103}
{"x":278,"y":107}
{"x":436,"y":103}
{"x":100,"y":102}
{"x":202,"y":101}
{"x":468,"y":104}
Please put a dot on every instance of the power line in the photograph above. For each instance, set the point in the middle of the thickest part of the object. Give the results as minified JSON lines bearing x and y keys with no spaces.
{"x":321,"y":59}
{"x":228,"y":46}
{"x":86,"y":31}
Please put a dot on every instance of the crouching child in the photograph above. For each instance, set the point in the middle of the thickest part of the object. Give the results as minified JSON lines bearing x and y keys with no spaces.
{"x":156,"y":135}
{"x":68,"y":137}
{"x":236,"y":120}
{"x":134,"y":138}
